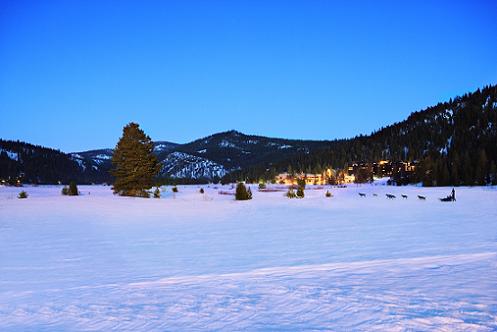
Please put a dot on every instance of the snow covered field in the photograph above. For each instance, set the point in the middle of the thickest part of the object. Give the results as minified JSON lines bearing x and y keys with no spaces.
{"x":187,"y":263}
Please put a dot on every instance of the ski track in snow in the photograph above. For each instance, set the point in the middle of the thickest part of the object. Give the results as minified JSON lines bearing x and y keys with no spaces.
{"x":100,"y":263}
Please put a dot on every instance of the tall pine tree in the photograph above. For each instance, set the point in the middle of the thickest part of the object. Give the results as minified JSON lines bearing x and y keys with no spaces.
{"x":134,"y":165}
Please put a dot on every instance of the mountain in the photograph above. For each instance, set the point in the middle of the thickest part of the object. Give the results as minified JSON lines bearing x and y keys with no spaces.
{"x":454,"y":142}
{"x":235,"y":150}
{"x":211,"y":157}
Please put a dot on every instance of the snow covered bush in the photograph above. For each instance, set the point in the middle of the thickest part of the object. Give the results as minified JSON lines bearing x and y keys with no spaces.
{"x":242,"y":193}
{"x":22,"y":195}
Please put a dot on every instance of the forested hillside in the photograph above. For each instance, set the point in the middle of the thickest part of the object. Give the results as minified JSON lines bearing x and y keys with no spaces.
{"x":36,"y":164}
{"x":455,"y":143}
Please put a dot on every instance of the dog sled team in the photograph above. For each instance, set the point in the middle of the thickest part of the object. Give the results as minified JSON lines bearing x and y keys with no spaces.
{"x":449,"y":198}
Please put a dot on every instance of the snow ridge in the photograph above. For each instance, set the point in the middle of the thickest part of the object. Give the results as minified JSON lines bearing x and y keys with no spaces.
{"x":184,"y":165}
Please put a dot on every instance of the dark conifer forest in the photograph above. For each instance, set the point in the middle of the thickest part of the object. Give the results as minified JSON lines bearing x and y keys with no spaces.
{"x":455,"y":143}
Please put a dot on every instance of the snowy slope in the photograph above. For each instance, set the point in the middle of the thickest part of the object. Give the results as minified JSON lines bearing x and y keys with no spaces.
{"x":191,"y":262}
{"x":184,"y":165}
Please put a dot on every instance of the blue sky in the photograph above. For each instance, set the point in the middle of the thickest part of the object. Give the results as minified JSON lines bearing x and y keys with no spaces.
{"x":72,"y":73}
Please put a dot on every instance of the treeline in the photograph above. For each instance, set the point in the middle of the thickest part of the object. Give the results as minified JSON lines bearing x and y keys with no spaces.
{"x":455,"y":143}
{"x":28,"y":163}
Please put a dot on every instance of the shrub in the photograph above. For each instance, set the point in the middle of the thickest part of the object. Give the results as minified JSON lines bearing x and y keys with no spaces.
{"x":135,"y":193}
{"x":301,"y":183}
{"x":328,"y":194}
{"x":201,"y":190}
{"x":290,"y":193}
{"x":157,"y":192}
{"x":65,"y":191}
{"x":262,"y":185}
{"x":175,"y":189}
{"x":300,"y":192}
{"x":242,"y":194}
{"x":22,"y":195}
{"x":73,"y":189}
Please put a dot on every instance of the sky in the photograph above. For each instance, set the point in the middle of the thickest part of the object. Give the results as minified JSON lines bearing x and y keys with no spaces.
{"x":73,"y":73}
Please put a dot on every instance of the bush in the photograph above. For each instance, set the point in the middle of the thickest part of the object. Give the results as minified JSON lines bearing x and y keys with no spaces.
{"x":242,"y":194}
{"x":328,"y":194}
{"x":135,"y":193}
{"x":73,"y":189}
{"x":300,"y":192}
{"x":201,"y":190}
{"x":22,"y":195}
{"x":301,"y":183}
{"x":157,"y":192}
{"x":290,"y":193}
{"x":175,"y":189}
{"x":262,"y":185}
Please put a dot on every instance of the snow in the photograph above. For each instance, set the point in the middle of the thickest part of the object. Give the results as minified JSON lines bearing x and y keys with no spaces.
{"x":226,"y":144}
{"x":10,"y":154}
{"x":184,"y":165}
{"x":103,"y":156}
{"x":79,"y":159}
{"x":206,"y":262}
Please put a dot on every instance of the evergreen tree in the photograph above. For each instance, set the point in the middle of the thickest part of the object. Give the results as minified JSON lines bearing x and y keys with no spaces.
{"x":242,"y":194}
{"x":481,"y":168}
{"x":73,"y":189}
{"x":493,"y":174}
{"x":134,"y":165}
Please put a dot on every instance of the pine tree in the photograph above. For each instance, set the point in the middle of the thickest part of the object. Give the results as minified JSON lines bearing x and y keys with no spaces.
{"x":493,"y":173}
{"x":73,"y":189}
{"x":134,"y":165}
{"x":467,"y":170}
{"x":242,"y":194}
{"x":481,"y":168}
